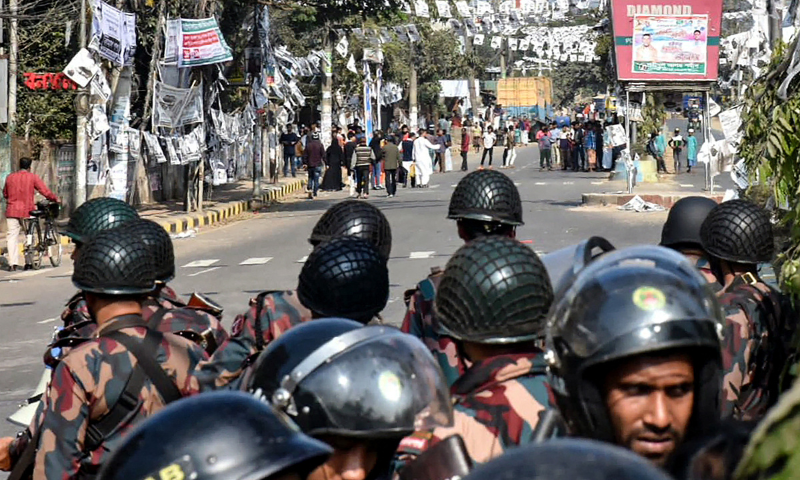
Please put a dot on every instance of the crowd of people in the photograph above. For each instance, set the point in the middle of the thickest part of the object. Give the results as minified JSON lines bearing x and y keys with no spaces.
{"x":504,"y":362}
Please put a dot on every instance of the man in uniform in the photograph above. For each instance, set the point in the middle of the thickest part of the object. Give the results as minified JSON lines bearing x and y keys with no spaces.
{"x":634,"y":352}
{"x":681,"y":232}
{"x":246,"y":439}
{"x":124,"y":373}
{"x":492,"y":302}
{"x":484,"y":203}
{"x":738,"y":236}
{"x":345,"y":277}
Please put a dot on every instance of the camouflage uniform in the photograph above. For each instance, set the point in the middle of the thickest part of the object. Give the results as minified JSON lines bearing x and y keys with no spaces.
{"x":86,"y":383}
{"x":280,"y":311}
{"x":702,"y":265}
{"x":419,"y":322}
{"x":497,"y":403}
{"x":749,"y":348}
{"x":180,"y":318}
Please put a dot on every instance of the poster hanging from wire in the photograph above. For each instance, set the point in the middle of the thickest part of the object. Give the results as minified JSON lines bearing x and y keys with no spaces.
{"x":201,"y":43}
{"x":670,"y":44}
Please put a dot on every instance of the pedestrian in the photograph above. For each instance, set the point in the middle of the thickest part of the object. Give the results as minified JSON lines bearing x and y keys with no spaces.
{"x":314,"y":158}
{"x":423,"y":166}
{"x":691,"y":150}
{"x":653,"y":149}
{"x":676,"y":143}
{"x":661,"y":148}
{"x":334,"y":156}
{"x":349,"y":149}
{"x":489,"y":139}
{"x":19,"y":191}
{"x":441,"y":140}
{"x":376,"y":144}
{"x":511,"y":147}
{"x":566,"y":149}
{"x":545,"y":150}
{"x":477,"y":134}
{"x":675,"y":367}
{"x":391,"y":162}
{"x":555,"y":135}
{"x":492,"y":303}
{"x":591,"y":147}
{"x":578,"y":152}
{"x":363,"y":157}
{"x":407,"y":149}
{"x":465,"y":143}
{"x":288,"y":140}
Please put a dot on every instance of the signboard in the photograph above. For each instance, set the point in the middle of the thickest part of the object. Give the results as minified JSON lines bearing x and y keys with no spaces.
{"x":660,"y":42}
{"x":201,"y":43}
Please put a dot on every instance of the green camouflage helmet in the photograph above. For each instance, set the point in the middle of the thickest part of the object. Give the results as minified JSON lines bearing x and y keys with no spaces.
{"x":98,"y":215}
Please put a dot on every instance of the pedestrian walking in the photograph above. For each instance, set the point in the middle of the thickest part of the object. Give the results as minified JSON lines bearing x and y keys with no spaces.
{"x":423,"y":165}
{"x":376,"y":144}
{"x":578,"y":152}
{"x":489,"y":139}
{"x":19,"y":192}
{"x":407,"y":149}
{"x":591,"y":147}
{"x":545,"y":150}
{"x":691,"y":150}
{"x":441,"y":141}
{"x":652,"y":149}
{"x":676,"y":143}
{"x":511,"y":147}
{"x":363,"y":156}
{"x":477,"y":134}
{"x":314,"y":159}
{"x":391,"y":161}
{"x":334,"y":156}
{"x":566,"y":149}
{"x":465,"y":141}
{"x":555,"y":135}
{"x":288,"y":140}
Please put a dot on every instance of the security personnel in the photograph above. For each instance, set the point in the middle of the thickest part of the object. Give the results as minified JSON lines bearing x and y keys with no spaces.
{"x":568,"y":459}
{"x":358,"y":389}
{"x":216,"y":436}
{"x":634,"y":350}
{"x":124,"y":373}
{"x":492,"y":303}
{"x":738,"y":236}
{"x":344,"y":277}
{"x":163,"y":310}
{"x":484,"y":203}
{"x":92,"y":217}
{"x":681,"y":232}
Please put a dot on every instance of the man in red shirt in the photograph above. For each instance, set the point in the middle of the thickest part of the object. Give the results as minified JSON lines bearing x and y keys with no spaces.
{"x":18,"y":192}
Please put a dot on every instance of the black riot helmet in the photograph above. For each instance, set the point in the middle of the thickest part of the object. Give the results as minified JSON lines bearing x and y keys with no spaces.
{"x":97,"y":215}
{"x":345,"y":277}
{"x":160,"y":244}
{"x":356,"y":219}
{"x":738,"y":231}
{"x":565,"y":264}
{"x":631,"y":302}
{"x":115,"y":263}
{"x":335,"y":377}
{"x":568,"y":459}
{"x":494,"y":290}
{"x":682,"y":228}
{"x":486,"y":196}
{"x":215,"y":436}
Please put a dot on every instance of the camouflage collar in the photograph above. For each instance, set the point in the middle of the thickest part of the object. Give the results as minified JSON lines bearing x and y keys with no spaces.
{"x":118,"y":323}
{"x":487,"y":373}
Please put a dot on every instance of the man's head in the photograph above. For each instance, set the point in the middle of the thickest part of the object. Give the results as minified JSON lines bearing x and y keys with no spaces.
{"x":649,"y":375}
{"x":697,"y":34}
{"x":646,"y":39}
{"x":486,"y":202}
{"x":288,"y":129}
{"x":25,"y":163}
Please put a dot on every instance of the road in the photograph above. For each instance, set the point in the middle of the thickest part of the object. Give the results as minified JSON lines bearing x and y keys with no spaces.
{"x":232,"y":263}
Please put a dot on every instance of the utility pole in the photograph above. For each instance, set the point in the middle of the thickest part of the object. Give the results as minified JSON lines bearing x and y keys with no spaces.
{"x":13,"y":67}
{"x":774,"y":16}
{"x":82,"y":114}
{"x":413,"y":108}
{"x":473,"y":96}
{"x":327,"y":89}
{"x":258,"y":156}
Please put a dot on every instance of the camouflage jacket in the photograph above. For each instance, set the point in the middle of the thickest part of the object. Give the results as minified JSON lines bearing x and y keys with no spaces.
{"x":280,"y":311}
{"x":167,"y":314}
{"x":419,"y":322}
{"x":702,"y":265}
{"x":497,"y":404}
{"x":87,"y":382}
{"x":753,"y":349}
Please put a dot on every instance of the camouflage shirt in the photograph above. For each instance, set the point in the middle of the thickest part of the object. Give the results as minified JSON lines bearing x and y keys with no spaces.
{"x":280,"y":311}
{"x":167,"y":314}
{"x":751,"y":353}
{"x":419,"y":322}
{"x":702,"y":265}
{"x":497,"y":403}
{"x":87,"y":382}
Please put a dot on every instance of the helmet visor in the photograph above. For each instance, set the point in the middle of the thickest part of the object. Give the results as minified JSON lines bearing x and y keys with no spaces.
{"x":389,"y":385}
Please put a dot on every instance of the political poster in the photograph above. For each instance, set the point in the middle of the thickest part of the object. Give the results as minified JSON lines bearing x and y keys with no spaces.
{"x":201,"y":43}
{"x":673,"y":45}
{"x":114,"y":32}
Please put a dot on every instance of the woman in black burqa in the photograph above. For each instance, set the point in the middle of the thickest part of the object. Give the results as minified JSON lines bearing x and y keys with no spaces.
{"x":332,"y":182}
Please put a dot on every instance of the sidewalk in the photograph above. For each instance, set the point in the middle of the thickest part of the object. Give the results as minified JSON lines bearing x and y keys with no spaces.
{"x":665,"y":193}
{"x":227,"y":201}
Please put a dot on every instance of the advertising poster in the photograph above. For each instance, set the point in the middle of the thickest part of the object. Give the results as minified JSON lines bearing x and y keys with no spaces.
{"x":201,"y":43}
{"x":663,"y":42}
{"x":675,"y":44}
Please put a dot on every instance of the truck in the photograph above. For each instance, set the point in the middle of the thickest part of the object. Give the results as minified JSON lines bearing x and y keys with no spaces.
{"x":530,"y":97}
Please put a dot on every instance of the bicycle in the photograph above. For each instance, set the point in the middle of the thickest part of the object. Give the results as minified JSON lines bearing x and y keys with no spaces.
{"x":39,"y":242}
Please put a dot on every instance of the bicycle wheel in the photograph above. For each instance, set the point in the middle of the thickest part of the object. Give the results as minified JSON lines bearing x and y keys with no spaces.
{"x":53,"y":242}
{"x":33,"y":248}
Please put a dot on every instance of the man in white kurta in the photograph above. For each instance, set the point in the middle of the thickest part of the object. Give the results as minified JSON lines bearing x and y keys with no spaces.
{"x":422,"y":157}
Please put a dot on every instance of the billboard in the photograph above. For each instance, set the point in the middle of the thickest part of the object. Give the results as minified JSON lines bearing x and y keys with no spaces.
{"x":660,"y":42}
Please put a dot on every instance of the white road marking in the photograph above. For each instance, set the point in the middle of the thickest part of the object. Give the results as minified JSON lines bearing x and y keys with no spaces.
{"x":569,"y":183}
{"x":49,"y":320}
{"x":209,"y":270}
{"x":303,"y":260}
{"x":29,"y":273}
{"x":597,"y":183}
{"x":256,"y":261}
{"x":420,"y":255}
{"x":687,"y":185}
{"x":454,"y":185}
{"x":201,"y":263}
{"x":435,"y":186}
{"x":517,"y":184}
{"x":540,"y":183}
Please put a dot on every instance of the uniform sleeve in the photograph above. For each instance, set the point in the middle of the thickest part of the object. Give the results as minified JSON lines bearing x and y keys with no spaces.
{"x":412,"y":322}
{"x":738,"y":346}
{"x":225,"y":366}
{"x":65,"y":418}
{"x":42,"y":188}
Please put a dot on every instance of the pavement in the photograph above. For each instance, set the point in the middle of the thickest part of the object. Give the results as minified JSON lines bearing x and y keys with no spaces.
{"x":234,"y":260}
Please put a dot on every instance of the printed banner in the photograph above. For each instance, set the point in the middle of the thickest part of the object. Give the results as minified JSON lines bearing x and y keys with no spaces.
{"x":176,"y":107}
{"x":115,"y":32}
{"x":201,"y":43}
{"x":672,"y":45}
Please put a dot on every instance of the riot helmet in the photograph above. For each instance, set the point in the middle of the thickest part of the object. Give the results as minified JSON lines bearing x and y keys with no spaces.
{"x":632,"y":302}
{"x":568,"y":459}
{"x":682,"y":228}
{"x":160,"y":244}
{"x":215,"y":436}
{"x":564,"y":264}
{"x":494,"y":290}
{"x":345,"y":277}
{"x":97,"y":215}
{"x":356,"y":219}
{"x":115,"y":263}
{"x":486,"y":196}
{"x":738,"y":231}
{"x":335,"y":377}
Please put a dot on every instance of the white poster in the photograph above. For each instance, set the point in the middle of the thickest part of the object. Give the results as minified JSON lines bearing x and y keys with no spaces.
{"x":118,"y":141}
{"x":95,"y":175}
{"x":154,"y":147}
{"x":484,"y":8}
{"x":524,"y":44}
{"x":118,"y":174}
{"x":98,"y":123}
{"x":172,"y":153}
{"x":82,"y":68}
{"x":478,"y":40}
{"x":444,"y":9}
{"x":731,"y":121}
{"x":421,"y":8}
{"x":497,"y":42}
{"x":115,"y":33}
{"x":617,"y":135}
{"x":171,"y":41}
{"x":100,"y":89}
{"x":463,"y":9}
{"x":135,"y":145}
{"x":512,"y":44}
{"x":201,"y":43}
{"x":176,"y":107}
{"x":342,"y":47}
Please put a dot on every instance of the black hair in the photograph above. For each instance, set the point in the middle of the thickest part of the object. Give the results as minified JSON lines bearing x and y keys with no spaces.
{"x":646,"y":35}
{"x":25,"y":163}
{"x":697,"y":31}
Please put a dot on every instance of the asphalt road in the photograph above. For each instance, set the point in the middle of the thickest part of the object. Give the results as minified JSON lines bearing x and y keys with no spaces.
{"x":232,"y":263}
